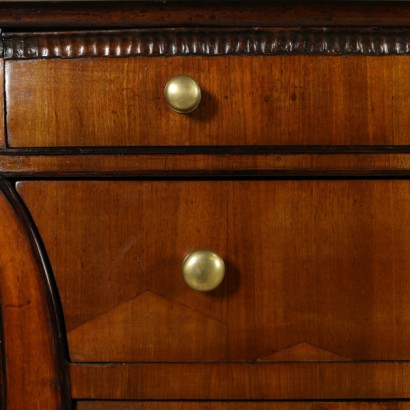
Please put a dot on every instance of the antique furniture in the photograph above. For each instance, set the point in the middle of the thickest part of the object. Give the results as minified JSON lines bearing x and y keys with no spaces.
{"x":205,"y":205}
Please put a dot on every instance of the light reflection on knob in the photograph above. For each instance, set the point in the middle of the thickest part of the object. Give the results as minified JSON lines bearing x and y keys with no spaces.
{"x":183,"y":94}
{"x":203,"y":270}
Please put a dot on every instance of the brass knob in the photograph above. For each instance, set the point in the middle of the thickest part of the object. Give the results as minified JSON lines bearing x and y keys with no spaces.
{"x":203,"y":270}
{"x":182,"y":94}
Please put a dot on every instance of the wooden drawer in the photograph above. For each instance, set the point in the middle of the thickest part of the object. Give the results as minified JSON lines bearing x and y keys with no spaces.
{"x":294,"y":169}
{"x":246,"y":100}
{"x":317,"y":270}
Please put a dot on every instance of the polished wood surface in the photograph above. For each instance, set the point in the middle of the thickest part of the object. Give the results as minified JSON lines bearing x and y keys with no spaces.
{"x":264,"y":101}
{"x":316,"y":258}
{"x":101,"y":405}
{"x":227,"y":381}
{"x":34,"y":376}
{"x":204,"y":13}
{"x":295,"y":168}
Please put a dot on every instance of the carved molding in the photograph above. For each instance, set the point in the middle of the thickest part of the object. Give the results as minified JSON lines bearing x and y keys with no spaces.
{"x":211,"y":42}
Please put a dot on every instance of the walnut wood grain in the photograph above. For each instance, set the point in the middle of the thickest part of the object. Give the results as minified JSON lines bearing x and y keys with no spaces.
{"x":316,"y":258}
{"x":34,"y":365}
{"x":263,"y":101}
{"x":18,"y":165}
{"x":222,"y":381}
{"x":112,"y":405}
{"x":207,"y":41}
{"x":347,"y":238}
{"x":204,"y":13}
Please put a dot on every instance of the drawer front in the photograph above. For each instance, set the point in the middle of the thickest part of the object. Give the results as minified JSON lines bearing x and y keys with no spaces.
{"x":315,"y":270}
{"x":248,"y":100}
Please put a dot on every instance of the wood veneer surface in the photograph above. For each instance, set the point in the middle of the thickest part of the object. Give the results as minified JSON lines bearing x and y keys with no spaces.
{"x":358,"y":380}
{"x":277,"y":100}
{"x":100,"y":405}
{"x":246,"y":381}
{"x":308,"y":263}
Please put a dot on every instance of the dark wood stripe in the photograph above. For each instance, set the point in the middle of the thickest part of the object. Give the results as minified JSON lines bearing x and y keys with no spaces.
{"x":204,"y":165}
{"x":234,"y":405}
{"x":209,"y":149}
{"x":199,"y":13}
{"x":229,"y":381}
{"x":209,"y":42}
{"x":2,"y":111}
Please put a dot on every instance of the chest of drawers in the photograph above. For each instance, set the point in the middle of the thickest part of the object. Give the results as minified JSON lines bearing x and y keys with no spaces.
{"x":283,"y":192}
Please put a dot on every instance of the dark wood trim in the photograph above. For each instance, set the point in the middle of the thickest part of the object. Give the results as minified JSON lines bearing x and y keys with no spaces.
{"x":246,"y":405}
{"x":199,"y":13}
{"x":205,"y":165}
{"x":209,"y":42}
{"x":2,"y":105}
{"x":54,"y":361}
{"x":208,"y":149}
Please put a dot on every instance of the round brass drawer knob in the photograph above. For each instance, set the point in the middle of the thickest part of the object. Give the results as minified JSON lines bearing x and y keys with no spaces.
{"x":203,"y":270}
{"x":182,"y":94}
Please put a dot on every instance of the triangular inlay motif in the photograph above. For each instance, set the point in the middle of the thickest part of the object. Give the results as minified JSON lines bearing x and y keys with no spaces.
{"x":149,"y":327}
{"x":304,"y":352}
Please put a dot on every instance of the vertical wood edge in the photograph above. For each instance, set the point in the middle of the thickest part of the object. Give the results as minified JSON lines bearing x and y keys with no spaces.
{"x":3,"y":379}
{"x":2,"y":102}
{"x":32,"y":326}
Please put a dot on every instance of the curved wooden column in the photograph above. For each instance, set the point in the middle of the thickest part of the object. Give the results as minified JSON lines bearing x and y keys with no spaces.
{"x":35,"y":367}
